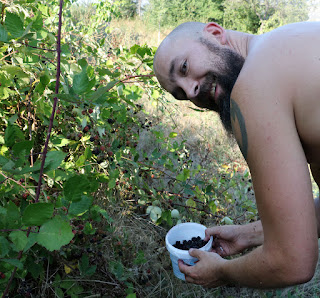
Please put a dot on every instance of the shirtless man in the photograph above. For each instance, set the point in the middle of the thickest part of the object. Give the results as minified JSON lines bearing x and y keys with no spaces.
{"x":266,"y":89}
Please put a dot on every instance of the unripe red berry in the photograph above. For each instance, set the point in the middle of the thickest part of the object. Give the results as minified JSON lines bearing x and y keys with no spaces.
{"x":102,"y":148}
{"x":25,"y":195}
{"x":84,"y":112}
{"x":90,"y":111}
{"x":110,"y":153}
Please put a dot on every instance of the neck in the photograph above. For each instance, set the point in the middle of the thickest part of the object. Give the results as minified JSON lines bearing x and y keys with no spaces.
{"x":240,"y":41}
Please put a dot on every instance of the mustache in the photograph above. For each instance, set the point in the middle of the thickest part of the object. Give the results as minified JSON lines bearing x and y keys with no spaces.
{"x":204,"y":98}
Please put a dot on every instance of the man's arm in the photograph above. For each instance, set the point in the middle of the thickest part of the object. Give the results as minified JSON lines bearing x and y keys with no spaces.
{"x":264,"y":125}
{"x":264,"y":119}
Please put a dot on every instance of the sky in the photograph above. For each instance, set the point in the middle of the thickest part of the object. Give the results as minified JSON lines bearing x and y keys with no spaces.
{"x":314,"y":14}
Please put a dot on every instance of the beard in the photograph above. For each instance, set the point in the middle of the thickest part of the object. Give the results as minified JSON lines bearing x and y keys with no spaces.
{"x":225,"y":76}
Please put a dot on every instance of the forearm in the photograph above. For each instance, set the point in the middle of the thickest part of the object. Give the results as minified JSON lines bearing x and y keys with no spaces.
{"x":254,"y":234}
{"x":256,"y":270}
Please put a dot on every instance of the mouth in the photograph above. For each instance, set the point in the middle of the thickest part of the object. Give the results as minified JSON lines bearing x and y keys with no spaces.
{"x":213,"y":90}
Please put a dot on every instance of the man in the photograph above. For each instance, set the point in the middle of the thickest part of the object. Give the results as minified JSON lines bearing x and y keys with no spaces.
{"x":266,"y":90}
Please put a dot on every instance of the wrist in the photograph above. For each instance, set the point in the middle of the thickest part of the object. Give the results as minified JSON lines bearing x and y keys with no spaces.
{"x":253,"y":234}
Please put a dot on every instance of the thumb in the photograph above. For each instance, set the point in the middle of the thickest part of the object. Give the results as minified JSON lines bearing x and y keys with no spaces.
{"x":197,"y":253}
{"x":214,"y":231}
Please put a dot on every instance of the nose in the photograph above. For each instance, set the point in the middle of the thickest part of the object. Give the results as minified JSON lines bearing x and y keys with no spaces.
{"x":192,"y":89}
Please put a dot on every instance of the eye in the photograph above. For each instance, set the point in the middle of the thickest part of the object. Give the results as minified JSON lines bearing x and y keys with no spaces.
{"x":184,"y":67}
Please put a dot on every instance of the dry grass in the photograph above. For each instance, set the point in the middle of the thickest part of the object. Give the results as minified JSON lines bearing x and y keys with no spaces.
{"x":130,"y":32}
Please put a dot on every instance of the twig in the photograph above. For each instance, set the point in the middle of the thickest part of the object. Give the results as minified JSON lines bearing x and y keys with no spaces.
{"x":45,"y":149}
{"x":38,"y":48}
{"x":4,"y":57}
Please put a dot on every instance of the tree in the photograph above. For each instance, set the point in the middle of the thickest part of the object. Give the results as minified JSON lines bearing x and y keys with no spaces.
{"x":259,"y":16}
{"x":172,"y":13}
{"x":128,"y":8}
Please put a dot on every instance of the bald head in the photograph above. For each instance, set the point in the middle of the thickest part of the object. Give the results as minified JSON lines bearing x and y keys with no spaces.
{"x":190,"y":30}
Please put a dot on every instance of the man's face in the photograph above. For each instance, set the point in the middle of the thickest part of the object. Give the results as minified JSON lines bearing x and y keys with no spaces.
{"x":201,"y":71}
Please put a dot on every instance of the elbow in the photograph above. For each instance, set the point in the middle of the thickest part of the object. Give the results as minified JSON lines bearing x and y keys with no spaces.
{"x":299,"y":275}
{"x":294,"y":269}
{"x":299,"y":270}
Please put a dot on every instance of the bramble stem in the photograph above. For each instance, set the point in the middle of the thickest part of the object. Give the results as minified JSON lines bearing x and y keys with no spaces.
{"x":55,"y":101}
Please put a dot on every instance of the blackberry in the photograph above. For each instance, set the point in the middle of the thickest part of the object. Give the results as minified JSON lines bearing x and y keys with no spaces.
{"x":194,"y":242}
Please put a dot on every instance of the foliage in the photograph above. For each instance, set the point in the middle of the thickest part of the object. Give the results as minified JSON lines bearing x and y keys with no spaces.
{"x":261,"y":16}
{"x":256,"y":16}
{"x":69,"y":130}
{"x":128,"y":8}
{"x":170,"y":13}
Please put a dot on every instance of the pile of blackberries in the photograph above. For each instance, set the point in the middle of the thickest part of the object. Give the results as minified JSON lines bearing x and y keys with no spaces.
{"x":195,"y":242}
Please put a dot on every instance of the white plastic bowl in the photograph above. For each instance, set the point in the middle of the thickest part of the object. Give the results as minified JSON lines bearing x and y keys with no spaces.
{"x":180,"y":232}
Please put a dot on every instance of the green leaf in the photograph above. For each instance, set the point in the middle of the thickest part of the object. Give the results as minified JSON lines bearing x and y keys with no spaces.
{"x":35,"y":268}
{"x":19,"y":239}
{"x":53,"y":160}
{"x":12,"y":133}
{"x":14,"y":24}
{"x":85,"y":268}
{"x":227,"y":220}
{"x":54,"y":234}
{"x":23,"y":147}
{"x":140,"y":259}
{"x":80,"y":207}
{"x":105,"y":214}
{"x":81,"y":82}
{"x":13,"y":216}
{"x":112,"y":183}
{"x":45,"y":78}
{"x":3,"y":34}
{"x":4,"y":246}
{"x":184,"y":175}
{"x":102,"y":90}
{"x":191,"y":203}
{"x":172,"y":135}
{"x":213,"y":207}
{"x":32,"y":239}
{"x":36,"y":214}
{"x":14,"y":262}
{"x":75,"y":187}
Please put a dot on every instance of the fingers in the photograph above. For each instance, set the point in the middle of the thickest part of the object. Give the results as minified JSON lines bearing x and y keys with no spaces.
{"x":208,"y":233}
{"x":196,"y":253}
{"x":213,"y":231}
{"x":184,"y":268}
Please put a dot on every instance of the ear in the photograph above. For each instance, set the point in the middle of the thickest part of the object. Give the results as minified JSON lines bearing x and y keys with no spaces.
{"x":217,"y":31}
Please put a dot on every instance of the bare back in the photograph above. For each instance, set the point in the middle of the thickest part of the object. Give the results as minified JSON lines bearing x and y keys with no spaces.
{"x":292,"y":53}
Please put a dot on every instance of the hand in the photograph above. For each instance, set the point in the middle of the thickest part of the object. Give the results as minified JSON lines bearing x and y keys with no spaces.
{"x":206,"y":271}
{"x":233,"y":239}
